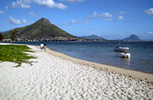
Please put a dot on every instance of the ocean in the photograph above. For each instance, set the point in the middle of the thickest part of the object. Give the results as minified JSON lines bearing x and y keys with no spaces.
{"x":103,"y":52}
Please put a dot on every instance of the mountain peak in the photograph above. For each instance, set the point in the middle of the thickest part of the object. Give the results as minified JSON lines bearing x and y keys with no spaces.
{"x":41,"y":29}
{"x":133,"y":37}
{"x":94,"y":36}
{"x":44,"y":20}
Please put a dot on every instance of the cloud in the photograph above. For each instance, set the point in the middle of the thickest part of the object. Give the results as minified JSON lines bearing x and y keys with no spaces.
{"x":122,"y":12}
{"x":109,"y":19}
{"x":1,"y":12}
{"x":127,"y":21}
{"x":17,"y":4}
{"x":87,"y":21}
{"x":63,"y":24}
{"x":43,"y":3}
{"x":25,"y":21}
{"x":94,"y":15}
{"x":6,"y":7}
{"x":105,"y":15}
{"x":75,"y":22}
{"x":32,"y":14}
{"x":14,"y":21}
{"x":69,"y":23}
{"x":150,"y":33}
{"x":71,"y":1}
{"x":120,"y":18}
{"x":149,"y":11}
{"x":50,"y":4}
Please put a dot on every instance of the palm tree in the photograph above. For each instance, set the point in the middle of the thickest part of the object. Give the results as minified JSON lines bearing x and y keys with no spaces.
{"x":13,"y":35}
{"x":1,"y":36}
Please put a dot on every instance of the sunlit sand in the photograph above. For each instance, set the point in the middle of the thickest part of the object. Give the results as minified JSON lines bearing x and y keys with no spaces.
{"x":56,"y":77}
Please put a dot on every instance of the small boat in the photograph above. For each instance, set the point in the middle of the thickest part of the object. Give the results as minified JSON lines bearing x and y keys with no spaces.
{"x":121,"y":49}
{"x":125,"y":55}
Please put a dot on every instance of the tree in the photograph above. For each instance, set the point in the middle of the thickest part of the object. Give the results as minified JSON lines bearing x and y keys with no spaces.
{"x":1,"y":36}
{"x":13,"y":35}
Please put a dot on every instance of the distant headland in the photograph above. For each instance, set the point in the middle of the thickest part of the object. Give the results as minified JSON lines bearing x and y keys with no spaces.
{"x":44,"y":30}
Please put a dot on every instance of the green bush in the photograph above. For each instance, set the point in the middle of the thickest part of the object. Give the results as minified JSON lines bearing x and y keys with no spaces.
{"x":15,"y":53}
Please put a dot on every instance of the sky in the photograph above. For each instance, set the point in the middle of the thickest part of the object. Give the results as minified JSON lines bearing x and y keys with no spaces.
{"x":110,"y":19}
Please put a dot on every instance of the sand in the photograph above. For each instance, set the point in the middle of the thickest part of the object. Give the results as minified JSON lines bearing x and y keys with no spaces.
{"x":55,"y":77}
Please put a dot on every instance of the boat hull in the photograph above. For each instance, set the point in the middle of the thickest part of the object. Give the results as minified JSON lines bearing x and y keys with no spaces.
{"x":121,"y":49}
{"x":125,"y":55}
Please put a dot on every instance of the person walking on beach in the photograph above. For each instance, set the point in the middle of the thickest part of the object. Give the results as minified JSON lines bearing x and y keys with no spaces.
{"x":44,"y":47}
{"x":41,"y":46}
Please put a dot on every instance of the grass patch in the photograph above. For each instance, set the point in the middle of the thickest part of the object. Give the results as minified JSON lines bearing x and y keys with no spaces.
{"x":14,"y":53}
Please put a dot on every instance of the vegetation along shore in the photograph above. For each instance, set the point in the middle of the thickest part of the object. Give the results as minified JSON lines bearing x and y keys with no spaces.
{"x":15,"y":53}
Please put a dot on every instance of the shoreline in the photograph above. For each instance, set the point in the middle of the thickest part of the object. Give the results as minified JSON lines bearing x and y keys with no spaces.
{"x":54,"y":77}
{"x":127,"y":72}
{"x":148,"y":77}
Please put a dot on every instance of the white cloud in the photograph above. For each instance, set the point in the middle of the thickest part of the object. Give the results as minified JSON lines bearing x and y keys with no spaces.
{"x":149,"y":11}
{"x":43,"y":3}
{"x":105,"y":15}
{"x":120,"y":18}
{"x":73,"y":0}
{"x":50,"y":4}
{"x":69,"y":23}
{"x":1,"y":12}
{"x":94,"y":15}
{"x":14,"y":21}
{"x":150,"y":33}
{"x":6,"y":7}
{"x":32,"y":14}
{"x":63,"y":24}
{"x":122,"y":12}
{"x":109,"y":19}
{"x":127,"y":21}
{"x":74,"y":22}
{"x":87,"y":21}
{"x":25,"y":21}
{"x":17,"y":4}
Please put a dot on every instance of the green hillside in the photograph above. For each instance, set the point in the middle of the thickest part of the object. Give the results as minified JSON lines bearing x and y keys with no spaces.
{"x":41,"y":29}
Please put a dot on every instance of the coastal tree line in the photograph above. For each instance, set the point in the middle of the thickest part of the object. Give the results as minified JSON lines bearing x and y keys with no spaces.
{"x":12,"y":35}
{"x":1,"y":36}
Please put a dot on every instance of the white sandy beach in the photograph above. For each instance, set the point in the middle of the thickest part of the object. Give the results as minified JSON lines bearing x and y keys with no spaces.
{"x":54,"y":78}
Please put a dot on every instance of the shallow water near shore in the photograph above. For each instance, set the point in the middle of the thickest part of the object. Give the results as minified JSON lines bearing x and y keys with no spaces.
{"x":103,"y":52}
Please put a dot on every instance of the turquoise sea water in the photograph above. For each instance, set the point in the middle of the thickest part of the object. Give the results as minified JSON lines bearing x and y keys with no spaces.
{"x":103,"y":52}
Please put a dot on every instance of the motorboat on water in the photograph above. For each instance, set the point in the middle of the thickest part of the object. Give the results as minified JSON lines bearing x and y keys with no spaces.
{"x":121,"y":49}
{"x":125,"y":55}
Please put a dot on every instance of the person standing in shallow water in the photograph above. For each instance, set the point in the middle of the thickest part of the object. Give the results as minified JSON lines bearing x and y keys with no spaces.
{"x":41,"y":46}
{"x":44,"y":47}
